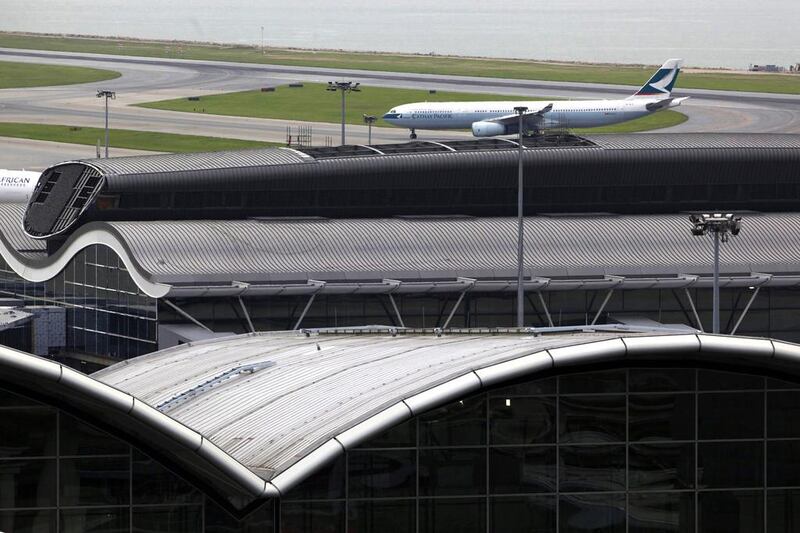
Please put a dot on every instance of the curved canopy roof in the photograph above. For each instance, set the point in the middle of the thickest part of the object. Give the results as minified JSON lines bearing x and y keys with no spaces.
{"x":620,"y":173}
{"x":249,"y":417}
{"x":284,"y":404}
{"x":417,"y":254}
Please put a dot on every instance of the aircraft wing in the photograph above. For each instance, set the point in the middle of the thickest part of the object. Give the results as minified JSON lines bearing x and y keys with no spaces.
{"x":665,"y":103}
{"x":528,"y":115}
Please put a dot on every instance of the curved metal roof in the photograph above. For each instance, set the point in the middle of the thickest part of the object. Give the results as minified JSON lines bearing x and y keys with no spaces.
{"x":234,"y":159}
{"x":417,"y":255}
{"x":620,"y":173}
{"x":285,"y":404}
{"x":415,"y":248}
{"x":249,"y":417}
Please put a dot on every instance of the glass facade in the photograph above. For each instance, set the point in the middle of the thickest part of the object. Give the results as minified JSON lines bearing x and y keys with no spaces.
{"x":630,"y":450}
{"x":106,"y":313}
{"x":646,"y":450}
{"x":61,"y":475}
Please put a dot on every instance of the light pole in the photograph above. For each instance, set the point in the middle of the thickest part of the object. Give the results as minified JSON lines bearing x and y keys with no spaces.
{"x":345,"y":87}
{"x":719,"y":225}
{"x":106,"y":94}
{"x":369,"y":119}
{"x":262,"y":39}
{"x":520,"y":226}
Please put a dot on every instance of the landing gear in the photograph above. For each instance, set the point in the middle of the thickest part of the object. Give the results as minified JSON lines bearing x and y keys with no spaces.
{"x":413,"y":134}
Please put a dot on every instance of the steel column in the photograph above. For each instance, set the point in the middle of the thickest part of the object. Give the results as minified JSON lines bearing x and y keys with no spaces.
{"x":602,"y":306}
{"x":305,"y":310}
{"x":246,"y":315}
{"x":186,"y":315}
{"x":746,"y":309}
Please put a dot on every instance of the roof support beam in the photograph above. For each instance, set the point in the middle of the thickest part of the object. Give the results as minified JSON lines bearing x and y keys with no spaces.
{"x":186,"y":315}
{"x":246,"y":315}
{"x":746,"y":309}
{"x":546,"y":310}
{"x":396,"y":311}
{"x":305,"y":310}
{"x":694,"y":309}
{"x":602,"y":306}
{"x":470,"y":283}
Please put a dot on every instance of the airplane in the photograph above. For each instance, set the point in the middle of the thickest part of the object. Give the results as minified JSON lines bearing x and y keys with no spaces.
{"x":488,"y":118}
{"x":16,"y":186}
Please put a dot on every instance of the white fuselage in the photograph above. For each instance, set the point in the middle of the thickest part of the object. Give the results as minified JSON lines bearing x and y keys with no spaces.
{"x":566,"y":114}
{"x":16,"y":186}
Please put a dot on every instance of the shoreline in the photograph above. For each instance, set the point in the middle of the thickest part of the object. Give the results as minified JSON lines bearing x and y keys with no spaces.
{"x":292,"y":49}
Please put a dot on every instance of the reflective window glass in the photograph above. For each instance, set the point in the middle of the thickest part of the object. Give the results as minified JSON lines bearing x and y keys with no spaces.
{"x":392,"y":516}
{"x":27,"y":432}
{"x":95,"y":481}
{"x":711,"y":380}
{"x":313,"y":517}
{"x":219,"y":521}
{"x":777,"y":384}
{"x":669,"y":512}
{"x":167,"y":519}
{"x":95,"y":520}
{"x":661,"y":417}
{"x":80,"y":438}
{"x":783,"y":463}
{"x":660,"y":466}
{"x":448,"y":515}
{"x":9,"y":399}
{"x":522,"y":514}
{"x":593,"y":382}
{"x":519,"y":470}
{"x":731,"y":512}
{"x":591,"y":468}
{"x":399,"y":436}
{"x":327,"y":484}
{"x":452,"y":472}
{"x":585,"y":513}
{"x":154,"y":484}
{"x":461,"y":423}
{"x":522,"y":420}
{"x":661,"y":379}
{"x":27,"y":483}
{"x":28,"y":521}
{"x":536,"y":387}
{"x":783,"y":511}
{"x":737,"y":415}
{"x":598,"y":419}
{"x":783,"y":414}
{"x":382,"y":473}
{"x":714,"y":470}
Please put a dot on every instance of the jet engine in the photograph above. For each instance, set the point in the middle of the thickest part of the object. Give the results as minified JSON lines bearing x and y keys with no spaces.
{"x":490,"y":129}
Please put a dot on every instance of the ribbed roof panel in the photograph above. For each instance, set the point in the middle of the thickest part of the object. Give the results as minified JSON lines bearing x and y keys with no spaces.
{"x":684,"y":141}
{"x":148,"y":164}
{"x":428,"y":248}
{"x":313,"y":389}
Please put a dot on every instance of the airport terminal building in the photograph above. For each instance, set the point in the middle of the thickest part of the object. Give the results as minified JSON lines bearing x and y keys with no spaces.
{"x":204,"y":277}
{"x":593,"y":431}
{"x":119,"y":257}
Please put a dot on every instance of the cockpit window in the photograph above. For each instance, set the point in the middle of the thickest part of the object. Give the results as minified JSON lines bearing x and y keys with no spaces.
{"x":393,"y":111}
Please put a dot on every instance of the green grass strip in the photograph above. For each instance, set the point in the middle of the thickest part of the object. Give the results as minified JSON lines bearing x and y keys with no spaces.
{"x":13,"y":75}
{"x":131,"y":139}
{"x":313,"y":103}
{"x":656,"y":121}
{"x":502,"y":68}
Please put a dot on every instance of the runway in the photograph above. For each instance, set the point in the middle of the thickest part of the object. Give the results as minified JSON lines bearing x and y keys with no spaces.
{"x":148,"y":79}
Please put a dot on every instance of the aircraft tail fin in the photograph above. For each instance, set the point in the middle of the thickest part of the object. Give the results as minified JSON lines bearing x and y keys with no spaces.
{"x":663,"y":80}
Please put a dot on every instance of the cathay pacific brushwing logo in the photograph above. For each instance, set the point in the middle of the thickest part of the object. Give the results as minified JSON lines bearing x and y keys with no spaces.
{"x":664,"y":84}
